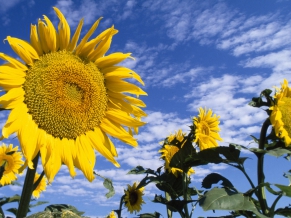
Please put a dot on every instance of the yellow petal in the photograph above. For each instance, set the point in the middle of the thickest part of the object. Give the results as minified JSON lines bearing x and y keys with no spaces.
{"x":12,"y":98}
{"x":17,"y":64}
{"x":8,"y":72}
{"x":122,"y":86}
{"x":104,"y":45}
{"x":50,"y":35}
{"x":22,"y":48}
{"x":123,"y":118}
{"x":42,"y":35}
{"x":87,"y":36}
{"x":64,"y":30}
{"x":117,"y":131}
{"x":111,"y":59}
{"x":67,"y":156}
{"x":81,"y":161}
{"x":34,"y":40}
{"x":76,"y":36}
{"x":12,"y":127}
{"x":117,"y":72}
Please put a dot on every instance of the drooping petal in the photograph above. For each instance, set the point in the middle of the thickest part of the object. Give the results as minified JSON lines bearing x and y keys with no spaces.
{"x":23,"y":49}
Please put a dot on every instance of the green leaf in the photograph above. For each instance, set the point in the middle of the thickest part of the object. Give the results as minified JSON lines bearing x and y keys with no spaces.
{"x":38,"y":203}
{"x":224,"y":199}
{"x":12,"y":210}
{"x":214,"y":178}
{"x":150,"y":215}
{"x":62,"y":207}
{"x":107,"y":183}
{"x":141,"y":170}
{"x":4,"y":200}
{"x":284,"y":211}
{"x":285,"y":189}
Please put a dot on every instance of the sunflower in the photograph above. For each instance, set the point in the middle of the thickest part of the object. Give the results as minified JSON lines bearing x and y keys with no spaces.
{"x":65,"y":99}
{"x":133,"y":198}
{"x":41,"y":186}
{"x":206,"y":129}
{"x":172,"y":145}
{"x":111,"y":215}
{"x":281,"y":113}
{"x":10,"y":162}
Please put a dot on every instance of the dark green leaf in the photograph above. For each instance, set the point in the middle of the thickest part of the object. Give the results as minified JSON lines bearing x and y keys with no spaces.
{"x":284,"y":211}
{"x":141,"y":170}
{"x":150,"y":215}
{"x":214,"y":178}
{"x":12,"y":210}
{"x":224,"y":199}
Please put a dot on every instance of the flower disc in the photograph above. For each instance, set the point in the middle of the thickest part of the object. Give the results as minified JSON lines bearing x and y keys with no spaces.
{"x":65,"y":95}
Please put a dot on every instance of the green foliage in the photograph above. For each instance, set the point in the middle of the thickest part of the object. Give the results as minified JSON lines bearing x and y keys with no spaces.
{"x":214,"y":178}
{"x":149,"y":215}
{"x":107,"y":183}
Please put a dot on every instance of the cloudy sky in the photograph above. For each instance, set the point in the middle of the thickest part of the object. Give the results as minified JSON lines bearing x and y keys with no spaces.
{"x":190,"y":54}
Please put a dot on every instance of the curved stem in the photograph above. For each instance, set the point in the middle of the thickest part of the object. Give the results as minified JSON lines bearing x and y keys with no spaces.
{"x":169,"y":212}
{"x":120,"y":206}
{"x":260,"y":168}
{"x":272,"y":210}
{"x":27,"y":190}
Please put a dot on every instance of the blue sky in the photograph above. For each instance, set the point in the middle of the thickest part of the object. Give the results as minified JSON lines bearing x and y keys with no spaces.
{"x":191,"y":54}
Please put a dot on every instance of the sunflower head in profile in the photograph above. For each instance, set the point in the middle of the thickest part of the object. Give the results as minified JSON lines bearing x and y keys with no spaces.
{"x":133,"y":198}
{"x":41,"y":185}
{"x":10,"y":163}
{"x":281,"y":113}
{"x":66,"y":97}
{"x":172,"y":144}
{"x":206,"y":129}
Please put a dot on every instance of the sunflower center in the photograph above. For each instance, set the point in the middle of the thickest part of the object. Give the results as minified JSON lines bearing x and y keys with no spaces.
{"x":286,"y":114}
{"x":133,"y":198}
{"x":65,"y":94}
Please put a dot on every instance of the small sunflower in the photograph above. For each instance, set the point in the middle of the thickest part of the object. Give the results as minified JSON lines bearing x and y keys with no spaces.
{"x":206,"y":129}
{"x":10,"y":162}
{"x":66,"y":98}
{"x":172,"y":146}
{"x":41,"y":186}
{"x":281,"y":113}
{"x":111,"y":215}
{"x":133,"y":198}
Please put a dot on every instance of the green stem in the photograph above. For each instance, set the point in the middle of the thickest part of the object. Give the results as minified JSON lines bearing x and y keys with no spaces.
{"x":169,"y":212}
{"x":260,"y":168}
{"x":27,"y":190}
{"x":120,"y":206}
{"x":185,"y":187}
{"x":241,"y":168}
{"x":274,"y":205}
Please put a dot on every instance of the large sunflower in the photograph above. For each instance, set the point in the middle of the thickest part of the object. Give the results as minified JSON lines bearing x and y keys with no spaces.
{"x":206,"y":129}
{"x":65,"y":98}
{"x":281,"y":113}
{"x":133,"y":198}
{"x":10,"y":162}
{"x":173,"y":144}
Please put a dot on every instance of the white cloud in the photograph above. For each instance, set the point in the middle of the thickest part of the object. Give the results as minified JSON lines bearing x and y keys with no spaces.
{"x":6,"y":5}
